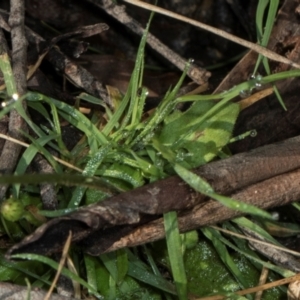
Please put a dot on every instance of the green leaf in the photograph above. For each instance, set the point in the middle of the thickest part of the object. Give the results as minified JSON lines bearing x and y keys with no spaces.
{"x":143,"y":275}
{"x":133,"y":176}
{"x":214,"y":236}
{"x":89,"y":262}
{"x":200,"y":185}
{"x":122,"y":264}
{"x":16,"y":271}
{"x":53,"y":264}
{"x":7,"y":74}
{"x":26,"y":159}
{"x":91,"y":167}
{"x":175,"y":254}
{"x":196,"y":142}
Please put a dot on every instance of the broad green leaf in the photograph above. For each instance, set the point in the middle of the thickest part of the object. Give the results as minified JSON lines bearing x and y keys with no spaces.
{"x":198,"y":143}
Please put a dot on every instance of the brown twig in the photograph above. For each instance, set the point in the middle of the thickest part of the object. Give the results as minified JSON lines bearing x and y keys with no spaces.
{"x":257,"y":48}
{"x":276,"y":255}
{"x":244,"y":176}
{"x":11,"y":151}
{"x":47,"y":191}
{"x":118,"y":12}
{"x":277,"y":191}
{"x":75,"y":73}
{"x":60,"y":267}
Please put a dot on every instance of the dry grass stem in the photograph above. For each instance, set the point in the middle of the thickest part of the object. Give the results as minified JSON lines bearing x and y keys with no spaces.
{"x":257,"y":48}
{"x":60,"y":266}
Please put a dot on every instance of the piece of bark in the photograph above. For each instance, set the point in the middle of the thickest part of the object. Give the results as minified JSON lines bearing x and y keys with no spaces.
{"x":277,"y":191}
{"x":10,"y":152}
{"x":144,"y":204}
{"x":47,"y":191}
{"x":75,"y":73}
{"x":277,"y":256}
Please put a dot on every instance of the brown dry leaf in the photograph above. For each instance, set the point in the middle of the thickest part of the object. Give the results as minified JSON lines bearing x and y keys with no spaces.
{"x":294,"y":290}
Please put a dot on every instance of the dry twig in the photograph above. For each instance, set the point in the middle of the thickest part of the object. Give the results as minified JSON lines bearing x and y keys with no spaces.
{"x":265,"y":177}
{"x":11,"y":151}
{"x":118,"y":12}
{"x":257,"y":48}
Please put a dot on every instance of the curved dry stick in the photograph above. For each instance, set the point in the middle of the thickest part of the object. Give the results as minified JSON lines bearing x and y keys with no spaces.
{"x":257,"y":48}
{"x":100,"y":226}
{"x":118,"y":12}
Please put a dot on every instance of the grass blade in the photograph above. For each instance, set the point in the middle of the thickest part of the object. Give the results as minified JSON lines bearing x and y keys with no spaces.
{"x":203,"y":187}
{"x":53,"y":264}
{"x":175,"y":254}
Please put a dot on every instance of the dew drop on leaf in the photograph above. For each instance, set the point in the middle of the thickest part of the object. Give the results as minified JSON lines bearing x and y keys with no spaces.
{"x":253,"y":133}
{"x":245,"y":93}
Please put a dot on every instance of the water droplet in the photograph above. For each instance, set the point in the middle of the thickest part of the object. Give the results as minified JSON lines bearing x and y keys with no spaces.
{"x":13,"y":99}
{"x":251,"y":77}
{"x":275,"y":215}
{"x":125,"y":134}
{"x":258,"y":85}
{"x":159,"y":163}
{"x":191,"y":60}
{"x":139,"y":146}
{"x":253,"y":133}
{"x":245,"y":93}
{"x":259,"y":77}
{"x":181,"y":154}
{"x":148,"y":137}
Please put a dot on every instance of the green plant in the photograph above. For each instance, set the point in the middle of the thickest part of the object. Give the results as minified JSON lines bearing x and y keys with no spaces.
{"x":127,"y":152}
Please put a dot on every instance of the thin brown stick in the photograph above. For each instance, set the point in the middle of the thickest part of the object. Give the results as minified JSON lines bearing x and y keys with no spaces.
{"x":259,"y":176}
{"x":262,"y":280}
{"x":275,"y":255}
{"x":266,"y":286}
{"x":61,"y":265}
{"x":75,"y":73}
{"x":248,"y":238}
{"x":277,"y":191}
{"x":257,"y":48}
{"x":197,"y":74}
